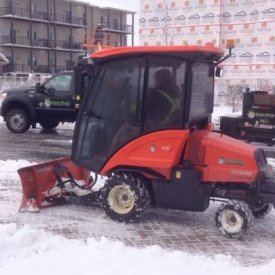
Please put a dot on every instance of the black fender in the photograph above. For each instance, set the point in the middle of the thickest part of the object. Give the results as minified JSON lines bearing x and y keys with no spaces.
{"x":18,"y":102}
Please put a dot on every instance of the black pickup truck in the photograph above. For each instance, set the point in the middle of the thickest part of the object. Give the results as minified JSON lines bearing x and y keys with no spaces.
{"x":257,"y":121}
{"x":56,"y":100}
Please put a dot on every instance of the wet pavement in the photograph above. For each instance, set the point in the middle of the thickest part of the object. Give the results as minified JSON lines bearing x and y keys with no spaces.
{"x":36,"y":145}
{"x":190,"y":232}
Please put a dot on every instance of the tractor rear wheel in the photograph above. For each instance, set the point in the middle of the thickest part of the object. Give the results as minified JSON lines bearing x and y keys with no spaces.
{"x":260,"y":209}
{"x":125,"y":197}
{"x":234,"y":219}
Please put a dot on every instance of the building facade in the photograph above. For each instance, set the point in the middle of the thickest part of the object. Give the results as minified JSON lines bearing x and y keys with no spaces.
{"x":250,"y":22}
{"x":51,"y":35}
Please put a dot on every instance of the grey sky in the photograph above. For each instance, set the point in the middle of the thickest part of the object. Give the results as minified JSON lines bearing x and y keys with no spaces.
{"x":132,"y":5}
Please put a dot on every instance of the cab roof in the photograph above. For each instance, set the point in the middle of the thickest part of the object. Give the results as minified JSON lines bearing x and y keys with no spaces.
{"x":208,"y":50}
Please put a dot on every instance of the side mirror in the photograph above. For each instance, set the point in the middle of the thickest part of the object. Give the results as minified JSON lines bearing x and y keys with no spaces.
{"x":218,"y":72}
{"x":38,"y":88}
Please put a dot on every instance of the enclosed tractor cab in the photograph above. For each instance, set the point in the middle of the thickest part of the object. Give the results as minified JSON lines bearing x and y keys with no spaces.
{"x":144,"y":123}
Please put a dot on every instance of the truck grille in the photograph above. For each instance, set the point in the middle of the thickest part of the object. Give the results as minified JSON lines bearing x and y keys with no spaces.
{"x":260,"y":157}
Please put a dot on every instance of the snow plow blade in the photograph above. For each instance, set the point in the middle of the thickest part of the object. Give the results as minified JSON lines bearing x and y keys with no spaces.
{"x":52,"y":182}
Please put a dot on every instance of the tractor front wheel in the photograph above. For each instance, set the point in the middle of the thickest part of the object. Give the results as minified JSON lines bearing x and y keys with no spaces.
{"x":260,"y":209}
{"x":124,"y":197}
{"x":234,"y":219}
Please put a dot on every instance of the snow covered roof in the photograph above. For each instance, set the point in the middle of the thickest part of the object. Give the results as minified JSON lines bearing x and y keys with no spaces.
{"x":104,"y":4}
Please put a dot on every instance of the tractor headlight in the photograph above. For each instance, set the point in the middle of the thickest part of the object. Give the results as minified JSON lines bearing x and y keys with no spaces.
{"x":2,"y":97}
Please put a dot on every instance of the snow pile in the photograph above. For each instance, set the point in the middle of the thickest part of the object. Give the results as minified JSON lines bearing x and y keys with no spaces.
{"x":29,"y":251}
{"x":9,"y":168}
{"x":222,"y":110}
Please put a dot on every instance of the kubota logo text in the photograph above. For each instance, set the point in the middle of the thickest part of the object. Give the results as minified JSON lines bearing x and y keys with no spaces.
{"x":223,"y":161}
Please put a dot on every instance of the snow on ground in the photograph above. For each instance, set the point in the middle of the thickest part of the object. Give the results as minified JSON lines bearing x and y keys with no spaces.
{"x":27,"y":250}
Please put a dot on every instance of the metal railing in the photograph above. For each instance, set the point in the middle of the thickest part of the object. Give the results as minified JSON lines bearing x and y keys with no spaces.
{"x":68,"y":45}
{"x":14,"y":11}
{"x":21,"y":67}
{"x":6,"y":11}
{"x":63,"y":44}
{"x":60,"y":69}
{"x":40,"y":42}
{"x":77,"y":46}
{"x":68,"y":19}
{"x":42,"y":15}
{"x":117,"y":27}
{"x":17,"y":40}
{"x":43,"y":68}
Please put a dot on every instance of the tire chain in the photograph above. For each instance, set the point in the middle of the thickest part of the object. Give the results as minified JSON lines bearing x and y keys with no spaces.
{"x":238,"y":205}
{"x":144,"y":194}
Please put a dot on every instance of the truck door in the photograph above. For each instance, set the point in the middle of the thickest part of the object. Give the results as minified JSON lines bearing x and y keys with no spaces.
{"x":56,"y":99}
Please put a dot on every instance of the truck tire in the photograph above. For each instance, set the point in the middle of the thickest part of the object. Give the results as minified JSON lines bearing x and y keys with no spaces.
{"x":234,"y":219}
{"x":48,"y":125}
{"x":125,"y":197}
{"x":260,"y":210}
{"x":17,"y":121}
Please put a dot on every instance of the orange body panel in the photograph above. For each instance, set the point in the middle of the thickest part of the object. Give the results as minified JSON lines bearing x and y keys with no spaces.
{"x":159,"y":151}
{"x":221,"y":158}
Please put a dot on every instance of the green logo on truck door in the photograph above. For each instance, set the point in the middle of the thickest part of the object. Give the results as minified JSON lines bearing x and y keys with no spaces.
{"x":47,"y":103}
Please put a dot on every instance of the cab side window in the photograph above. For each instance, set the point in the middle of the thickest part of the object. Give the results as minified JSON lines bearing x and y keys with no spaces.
{"x":60,"y":83}
{"x":163,"y":98}
{"x":202,"y":94}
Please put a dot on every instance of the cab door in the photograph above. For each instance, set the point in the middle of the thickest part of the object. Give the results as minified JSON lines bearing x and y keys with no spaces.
{"x":56,"y":98}
{"x":110,"y":116}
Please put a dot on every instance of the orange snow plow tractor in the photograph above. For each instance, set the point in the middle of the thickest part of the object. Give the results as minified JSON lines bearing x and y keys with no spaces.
{"x":144,"y":124}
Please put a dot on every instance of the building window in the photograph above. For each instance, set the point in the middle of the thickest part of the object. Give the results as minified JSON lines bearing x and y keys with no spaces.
{"x":115,"y":23}
{"x":8,"y":6}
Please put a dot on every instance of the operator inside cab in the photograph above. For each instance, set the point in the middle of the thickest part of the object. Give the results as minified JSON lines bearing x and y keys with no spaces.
{"x":163,"y":105}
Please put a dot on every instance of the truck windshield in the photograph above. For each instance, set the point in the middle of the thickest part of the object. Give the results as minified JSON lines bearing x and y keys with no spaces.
{"x":59,"y":83}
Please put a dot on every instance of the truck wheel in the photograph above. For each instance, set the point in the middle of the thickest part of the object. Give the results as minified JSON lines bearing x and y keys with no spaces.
{"x":260,"y":209}
{"x":124,"y":197}
{"x":234,"y":219}
{"x":17,"y":121}
{"x":51,"y":124}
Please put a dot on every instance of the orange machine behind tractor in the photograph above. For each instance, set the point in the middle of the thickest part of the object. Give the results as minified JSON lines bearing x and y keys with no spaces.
{"x":145,"y":124}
